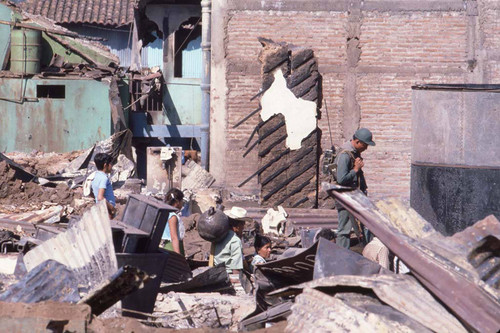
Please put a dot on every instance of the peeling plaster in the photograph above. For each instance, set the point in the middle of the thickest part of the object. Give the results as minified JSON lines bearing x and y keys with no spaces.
{"x":300,"y":115}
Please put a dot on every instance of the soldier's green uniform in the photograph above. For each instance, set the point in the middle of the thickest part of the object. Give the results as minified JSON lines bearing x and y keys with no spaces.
{"x":346,"y":176}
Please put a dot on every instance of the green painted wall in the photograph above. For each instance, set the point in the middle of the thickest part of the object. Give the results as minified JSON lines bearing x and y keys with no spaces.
{"x":51,"y":47}
{"x":5,"y":15}
{"x":75,"y":122}
{"x":182,"y":100}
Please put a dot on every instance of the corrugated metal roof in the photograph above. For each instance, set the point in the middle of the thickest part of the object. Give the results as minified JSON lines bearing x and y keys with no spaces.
{"x":440,"y":264}
{"x":86,"y":248}
{"x":102,"y":12}
{"x":301,"y":217}
{"x":40,"y":285}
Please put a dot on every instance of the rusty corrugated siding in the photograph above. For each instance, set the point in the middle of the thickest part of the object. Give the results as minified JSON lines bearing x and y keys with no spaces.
{"x":302,"y":217}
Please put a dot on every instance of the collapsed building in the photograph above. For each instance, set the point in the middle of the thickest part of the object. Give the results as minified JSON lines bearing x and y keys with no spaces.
{"x":261,"y":111}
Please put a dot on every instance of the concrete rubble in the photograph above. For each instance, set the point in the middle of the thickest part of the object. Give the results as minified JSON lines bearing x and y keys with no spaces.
{"x":309,"y":283}
{"x":66,"y":266}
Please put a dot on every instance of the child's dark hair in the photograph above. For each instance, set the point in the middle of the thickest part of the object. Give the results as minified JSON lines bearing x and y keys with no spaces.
{"x":101,"y":159}
{"x":260,"y":241}
{"x":329,"y":234}
{"x":174,"y":195}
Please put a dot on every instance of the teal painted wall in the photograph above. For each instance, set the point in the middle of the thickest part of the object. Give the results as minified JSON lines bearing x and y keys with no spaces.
{"x":5,"y":15}
{"x":182,"y":100}
{"x":75,"y":122}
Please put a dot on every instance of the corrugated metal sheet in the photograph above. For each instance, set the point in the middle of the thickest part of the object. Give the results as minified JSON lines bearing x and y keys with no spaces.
{"x":152,"y":54}
{"x":176,"y":268}
{"x":116,"y":39}
{"x":108,"y":13}
{"x":86,"y":248}
{"x":302,"y":217}
{"x":438,"y":263}
{"x":401,"y":292}
{"x":192,"y":60}
{"x":40,"y":285}
{"x":118,"y":42}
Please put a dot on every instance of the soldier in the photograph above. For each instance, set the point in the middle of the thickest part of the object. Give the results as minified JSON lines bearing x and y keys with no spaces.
{"x":350,"y":173}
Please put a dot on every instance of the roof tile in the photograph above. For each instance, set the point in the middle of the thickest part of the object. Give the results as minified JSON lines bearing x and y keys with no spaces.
{"x":102,"y":12}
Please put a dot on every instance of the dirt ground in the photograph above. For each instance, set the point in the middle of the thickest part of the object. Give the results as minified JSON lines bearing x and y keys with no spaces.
{"x":21,"y":196}
{"x":44,"y":164}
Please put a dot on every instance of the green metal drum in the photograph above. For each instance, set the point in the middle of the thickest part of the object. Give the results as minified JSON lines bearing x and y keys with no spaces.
{"x":25,"y":51}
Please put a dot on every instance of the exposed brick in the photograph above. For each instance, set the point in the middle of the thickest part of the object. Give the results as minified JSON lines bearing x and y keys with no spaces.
{"x":398,"y":50}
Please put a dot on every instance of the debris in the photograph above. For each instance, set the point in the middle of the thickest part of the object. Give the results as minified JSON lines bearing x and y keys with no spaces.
{"x":273,"y":222}
{"x":40,"y":317}
{"x":164,"y":166}
{"x":207,"y":310}
{"x":441,"y":264}
{"x":86,"y":249}
{"x":39,"y":285}
{"x":204,"y":198}
{"x":401,"y":292}
{"x":195,"y":177}
{"x":125,"y":281}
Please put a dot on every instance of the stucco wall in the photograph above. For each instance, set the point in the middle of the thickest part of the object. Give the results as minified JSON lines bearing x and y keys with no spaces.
{"x":75,"y":122}
{"x":370,"y":53}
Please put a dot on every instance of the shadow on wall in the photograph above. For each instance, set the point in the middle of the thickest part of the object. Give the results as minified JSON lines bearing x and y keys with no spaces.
{"x":170,"y":110}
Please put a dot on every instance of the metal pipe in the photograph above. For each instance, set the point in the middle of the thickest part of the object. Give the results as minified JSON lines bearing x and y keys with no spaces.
{"x":206,"y":10}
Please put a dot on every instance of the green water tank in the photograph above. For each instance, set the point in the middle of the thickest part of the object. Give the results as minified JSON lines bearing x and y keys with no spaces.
{"x":25,"y":51}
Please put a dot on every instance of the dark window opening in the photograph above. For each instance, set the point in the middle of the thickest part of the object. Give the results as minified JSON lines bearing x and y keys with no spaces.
{"x":187,"y":50}
{"x":50,"y":91}
{"x":146,"y":95}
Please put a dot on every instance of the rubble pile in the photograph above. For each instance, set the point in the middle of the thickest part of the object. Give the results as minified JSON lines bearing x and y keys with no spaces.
{"x":18,"y":194}
{"x":50,"y":228}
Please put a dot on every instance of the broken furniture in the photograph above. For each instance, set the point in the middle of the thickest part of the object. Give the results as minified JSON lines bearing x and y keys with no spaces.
{"x":138,"y":237}
{"x":150,"y":216}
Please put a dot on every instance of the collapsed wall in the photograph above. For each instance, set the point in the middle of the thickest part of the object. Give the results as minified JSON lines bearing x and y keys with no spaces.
{"x":289,"y":137}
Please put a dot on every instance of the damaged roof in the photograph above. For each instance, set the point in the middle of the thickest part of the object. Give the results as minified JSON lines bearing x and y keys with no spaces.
{"x":113,"y":13}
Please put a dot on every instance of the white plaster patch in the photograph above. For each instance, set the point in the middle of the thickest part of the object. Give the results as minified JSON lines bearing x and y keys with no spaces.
{"x":300,"y":115}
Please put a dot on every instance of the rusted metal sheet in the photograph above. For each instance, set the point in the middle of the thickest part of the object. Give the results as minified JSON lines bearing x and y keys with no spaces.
{"x":315,"y":311}
{"x":301,"y":217}
{"x":402,"y":292}
{"x":437,"y":263}
{"x":40,"y":285}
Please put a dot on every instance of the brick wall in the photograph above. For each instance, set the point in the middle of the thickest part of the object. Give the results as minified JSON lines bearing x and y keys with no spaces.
{"x":398,"y":49}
